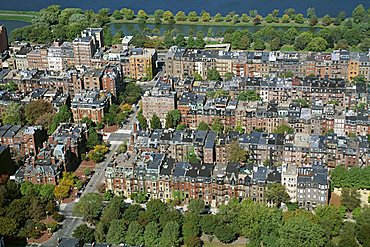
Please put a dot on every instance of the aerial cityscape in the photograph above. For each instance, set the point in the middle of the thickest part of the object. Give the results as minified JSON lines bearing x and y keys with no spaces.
{"x":185,"y":123}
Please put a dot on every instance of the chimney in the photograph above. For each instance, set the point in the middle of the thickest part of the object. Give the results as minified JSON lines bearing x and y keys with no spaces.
{"x":135,"y":128}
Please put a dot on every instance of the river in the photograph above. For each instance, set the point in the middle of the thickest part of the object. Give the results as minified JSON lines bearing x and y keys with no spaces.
{"x":322,"y":7}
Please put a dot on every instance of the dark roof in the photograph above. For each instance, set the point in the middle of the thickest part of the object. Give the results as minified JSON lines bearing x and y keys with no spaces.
{"x":4,"y":129}
{"x":12,"y":131}
{"x":69,"y":242}
{"x":210,"y":140}
{"x":2,"y":149}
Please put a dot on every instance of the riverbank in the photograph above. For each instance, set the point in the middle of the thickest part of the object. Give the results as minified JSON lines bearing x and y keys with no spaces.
{"x":10,"y":15}
{"x":27,"y":16}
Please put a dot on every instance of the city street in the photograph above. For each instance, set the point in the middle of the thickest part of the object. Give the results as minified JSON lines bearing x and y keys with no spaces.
{"x":71,"y":222}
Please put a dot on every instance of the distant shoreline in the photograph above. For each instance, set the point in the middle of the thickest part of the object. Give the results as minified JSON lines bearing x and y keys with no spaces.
{"x":27,"y":16}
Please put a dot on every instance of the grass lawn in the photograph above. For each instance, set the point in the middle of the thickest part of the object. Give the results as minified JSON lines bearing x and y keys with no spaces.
{"x":10,"y":15}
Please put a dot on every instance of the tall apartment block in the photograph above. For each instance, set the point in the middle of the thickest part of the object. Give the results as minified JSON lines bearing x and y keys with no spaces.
{"x":3,"y":39}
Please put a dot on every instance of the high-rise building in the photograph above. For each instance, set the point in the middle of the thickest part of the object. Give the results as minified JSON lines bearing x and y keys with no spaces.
{"x":3,"y":39}
{"x":96,"y":34}
{"x":84,"y":50}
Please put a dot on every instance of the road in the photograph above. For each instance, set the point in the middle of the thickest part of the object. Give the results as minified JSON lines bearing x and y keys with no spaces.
{"x":71,"y":222}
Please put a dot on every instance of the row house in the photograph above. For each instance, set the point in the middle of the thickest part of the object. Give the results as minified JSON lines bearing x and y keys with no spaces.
{"x":61,"y":152}
{"x":161,"y":177}
{"x":159,"y":100}
{"x":264,"y":148}
{"x":339,"y":64}
{"x":22,"y":141}
{"x":90,"y":104}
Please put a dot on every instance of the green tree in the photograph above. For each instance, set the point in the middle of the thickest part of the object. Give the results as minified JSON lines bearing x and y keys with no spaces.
{"x":8,"y":226}
{"x":29,"y":189}
{"x":289,"y":36}
{"x":257,"y":20}
{"x":46,"y":191}
{"x":277,"y":194}
{"x":203,"y":126}
{"x":269,"y":18}
{"x":225,"y":233}
{"x":190,"y":226}
{"x":192,"y":16}
{"x":311,"y":12}
{"x":285,"y":18}
{"x":157,"y":208}
{"x":180,"y":16}
{"x":14,"y":114}
{"x":245,"y":18}
{"x":199,"y":41}
{"x":249,"y":95}
{"x":142,"y":120}
{"x":206,"y":17}
{"x":98,"y":153}
{"x":151,"y":234}
{"x":299,"y":19}
{"x":155,"y":122}
{"x":102,"y":17}
{"x":134,"y":234}
{"x":301,"y":232}
{"x":330,"y":219}
{"x":170,"y":236}
{"x":101,"y":230}
{"x":193,"y":241}
{"x":89,"y":206}
{"x":159,"y":13}
{"x":326,"y":20}
{"x":359,"y":14}
{"x":64,"y":115}
{"x":181,"y":127}
{"x":363,"y":227}
{"x":313,"y":21}
{"x":196,"y":206}
{"x":117,"y":15}
{"x":217,"y":17}
{"x":31,"y":229}
{"x":173,"y":118}
{"x":347,"y":235}
{"x":180,"y":40}
{"x":217,"y":126}
{"x":114,"y":210}
{"x":208,"y":223}
{"x":213,"y":75}
{"x":168,"y":16}
{"x":93,"y":138}
{"x":302,"y":40}
{"x":236,"y":153}
{"x":190,"y":42}
{"x":229,"y":76}
{"x":168,"y":40}
{"x":317,"y":44}
{"x":259,"y":45}
{"x":116,"y":232}
{"x":39,"y":112}
{"x":85,"y":233}
{"x":139,"y":197}
{"x":132,"y":212}
{"x":283,"y":129}
{"x":350,"y":198}
{"x":275,"y":44}
{"x":142,"y":15}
